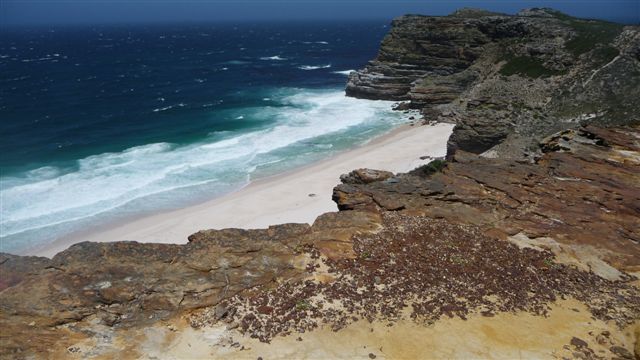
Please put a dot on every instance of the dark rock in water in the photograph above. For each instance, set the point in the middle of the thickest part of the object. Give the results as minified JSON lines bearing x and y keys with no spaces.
{"x":402,"y":106}
{"x":507,"y":81}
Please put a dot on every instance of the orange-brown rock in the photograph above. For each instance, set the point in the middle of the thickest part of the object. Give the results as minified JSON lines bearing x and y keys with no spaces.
{"x":584,"y":188}
{"x":579,"y":199}
{"x":129,"y":284}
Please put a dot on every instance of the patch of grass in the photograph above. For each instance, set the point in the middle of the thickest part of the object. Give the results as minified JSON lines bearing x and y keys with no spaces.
{"x":527,"y":66}
{"x":550,"y":263}
{"x":590,"y":33}
{"x":605,"y":54}
{"x":471,"y":13}
{"x":302,"y":305}
{"x":436,"y":165}
{"x":429,"y":169}
{"x":557,"y":14}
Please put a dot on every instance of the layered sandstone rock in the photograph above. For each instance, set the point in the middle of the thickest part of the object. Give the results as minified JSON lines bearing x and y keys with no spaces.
{"x":568,"y":219}
{"x":507,"y":81}
{"x":129,"y":284}
{"x":531,"y":246}
{"x":583,"y":189}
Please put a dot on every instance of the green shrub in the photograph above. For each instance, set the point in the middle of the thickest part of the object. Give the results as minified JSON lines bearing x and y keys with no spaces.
{"x":589,"y":33}
{"x":429,"y":169}
{"x":604,"y":54}
{"x":302,"y":305}
{"x":527,"y":66}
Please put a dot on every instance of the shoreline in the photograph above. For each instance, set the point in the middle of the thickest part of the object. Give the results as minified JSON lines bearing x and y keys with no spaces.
{"x":276,"y":199}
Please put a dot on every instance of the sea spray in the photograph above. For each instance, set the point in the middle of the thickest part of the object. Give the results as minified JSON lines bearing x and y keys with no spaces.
{"x":307,"y":125}
{"x":112,"y":123}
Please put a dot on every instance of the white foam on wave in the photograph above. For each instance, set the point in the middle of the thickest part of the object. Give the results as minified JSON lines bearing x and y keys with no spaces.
{"x":314,"y":67}
{"x":236,"y":62}
{"x":344,"y":72}
{"x":274,"y":58}
{"x":165,"y":108}
{"x":111,"y":182}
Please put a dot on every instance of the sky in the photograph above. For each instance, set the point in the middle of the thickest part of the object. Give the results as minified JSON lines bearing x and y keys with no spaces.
{"x":47,"y":12}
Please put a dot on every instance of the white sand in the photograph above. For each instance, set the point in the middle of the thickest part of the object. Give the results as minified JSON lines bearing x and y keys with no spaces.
{"x":279,"y":199}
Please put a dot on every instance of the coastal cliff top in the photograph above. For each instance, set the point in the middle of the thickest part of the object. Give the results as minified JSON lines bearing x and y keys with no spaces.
{"x":507,"y":81}
{"x":524,"y":242}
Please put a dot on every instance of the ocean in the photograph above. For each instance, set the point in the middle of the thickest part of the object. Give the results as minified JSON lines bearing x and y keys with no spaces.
{"x":101,"y":124}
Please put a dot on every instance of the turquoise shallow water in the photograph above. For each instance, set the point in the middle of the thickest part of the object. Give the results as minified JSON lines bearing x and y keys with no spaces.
{"x":120,"y":133}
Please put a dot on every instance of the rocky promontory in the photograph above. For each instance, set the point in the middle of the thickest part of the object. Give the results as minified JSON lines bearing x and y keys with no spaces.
{"x":524,"y":242}
{"x":507,"y":81}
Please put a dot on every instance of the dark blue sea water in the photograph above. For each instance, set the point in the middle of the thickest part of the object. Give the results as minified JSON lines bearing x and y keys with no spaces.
{"x":102,"y":123}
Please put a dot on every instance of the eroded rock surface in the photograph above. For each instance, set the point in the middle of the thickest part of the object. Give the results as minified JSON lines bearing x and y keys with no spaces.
{"x":129,"y":284}
{"x":132,"y":284}
{"x":426,"y":269}
{"x":532,"y":215}
{"x":455,"y":240}
{"x":583,"y":188}
{"x":507,"y":81}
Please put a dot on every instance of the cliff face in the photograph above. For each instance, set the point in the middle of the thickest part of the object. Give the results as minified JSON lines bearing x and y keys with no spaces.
{"x":491,"y":245}
{"x":507,"y":81}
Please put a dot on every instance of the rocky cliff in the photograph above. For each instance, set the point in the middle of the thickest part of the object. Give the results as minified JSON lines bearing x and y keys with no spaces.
{"x":471,"y":239}
{"x":507,"y":81}
{"x":479,"y":256}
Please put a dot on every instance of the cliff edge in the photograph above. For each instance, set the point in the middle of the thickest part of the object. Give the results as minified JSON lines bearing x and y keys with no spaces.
{"x":524,"y":243}
{"x":507,"y":81}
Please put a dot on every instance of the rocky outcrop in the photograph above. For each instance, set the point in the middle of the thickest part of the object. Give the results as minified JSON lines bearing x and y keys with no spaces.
{"x":365,"y":176}
{"x":533,"y":214}
{"x":567,"y":220}
{"x":507,"y":81}
{"x":129,"y":284}
{"x":582,"y":188}
{"x":416,"y":46}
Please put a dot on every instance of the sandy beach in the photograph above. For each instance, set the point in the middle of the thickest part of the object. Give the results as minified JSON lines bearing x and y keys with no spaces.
{"x":298,"y":196}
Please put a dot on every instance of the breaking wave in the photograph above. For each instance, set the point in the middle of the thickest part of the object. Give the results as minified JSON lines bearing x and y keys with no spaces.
{"x":273,"y":58}
{"x":344,"y":72}
{"x":306,"y":125}
{"x":314,"y":67}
